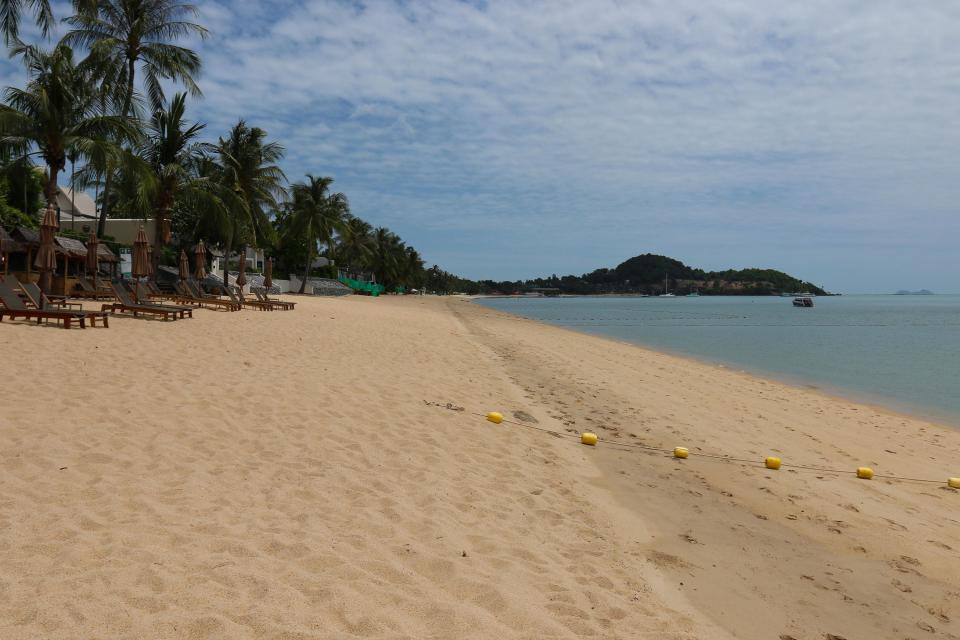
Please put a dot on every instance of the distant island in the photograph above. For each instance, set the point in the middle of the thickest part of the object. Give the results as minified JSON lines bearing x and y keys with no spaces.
{"x":921,"y":292}
{"x":646,"y":274}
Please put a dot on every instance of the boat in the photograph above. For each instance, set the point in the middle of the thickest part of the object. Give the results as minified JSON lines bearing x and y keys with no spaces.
{"x":693,"y":294}
{"x":805,"y":301}
{"x":666,"y":288}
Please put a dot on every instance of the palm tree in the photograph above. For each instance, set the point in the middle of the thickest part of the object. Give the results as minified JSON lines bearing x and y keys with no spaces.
{"x":412,"y":267}
{"x":316,"y":216}
{"x":387,"y":252}
{"x":355,"y":245}
{"x":244,"y":167}
{"x":11,"y":10}
{"x":122,"y":34}
{"x":170,"y":148}
{"x":58,"y":113}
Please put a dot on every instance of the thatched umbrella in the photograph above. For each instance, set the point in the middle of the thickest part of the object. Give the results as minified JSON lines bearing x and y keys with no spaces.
{"x":141,"y":257}
{"x":184,"y":266}
{"x":200,"y":262}
{"x":46,"y":261}
{"x":242,"y":275}
{"x":268,"y":274}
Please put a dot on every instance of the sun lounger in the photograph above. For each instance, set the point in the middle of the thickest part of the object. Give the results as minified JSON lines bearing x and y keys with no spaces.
{"x":142,"y":296}
{"x":126,"y":304}
{"x":186,"y":294}
{"x":41,"y":301}
{"x":11,"y":306}
{"x":85,"y":289}
{"x":262,"y":297}
{"x":236,"y":295}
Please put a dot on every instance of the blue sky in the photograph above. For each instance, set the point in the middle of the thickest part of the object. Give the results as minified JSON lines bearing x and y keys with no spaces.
{"x":516,"y":139}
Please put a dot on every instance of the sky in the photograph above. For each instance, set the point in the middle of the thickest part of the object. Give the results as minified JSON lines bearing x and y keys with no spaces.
{"x":509,"y":140}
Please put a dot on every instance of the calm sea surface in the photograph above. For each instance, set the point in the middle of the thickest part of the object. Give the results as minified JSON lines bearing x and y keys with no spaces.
{"x":900,"y":351}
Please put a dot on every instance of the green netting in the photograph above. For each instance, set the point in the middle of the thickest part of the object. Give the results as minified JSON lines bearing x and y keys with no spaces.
{"x":362,"y":286}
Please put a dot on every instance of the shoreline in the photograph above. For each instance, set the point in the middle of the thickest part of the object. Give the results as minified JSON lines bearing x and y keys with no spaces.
{"x":942,"y":418}
{"x":748,"y":550}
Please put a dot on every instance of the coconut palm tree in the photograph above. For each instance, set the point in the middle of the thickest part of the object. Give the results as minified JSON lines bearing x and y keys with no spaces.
{"x":316,"y":216}
{"x":244,"y":166}
{"x":125,"y":34}
{"x":355,"y":245}
{"x":387,"y":250}
{"x":58,"y":113}
{"x":11,"y":10}
{"x":169,"y":149}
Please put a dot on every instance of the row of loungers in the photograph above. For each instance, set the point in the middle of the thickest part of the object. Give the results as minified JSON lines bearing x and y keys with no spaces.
{"x":19,"y":300}
{"x":41,"y":307}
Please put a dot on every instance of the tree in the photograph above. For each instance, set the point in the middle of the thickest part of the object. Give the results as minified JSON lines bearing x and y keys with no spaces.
{"x":124,"y":33}
{"x":316,"y":216}
{"x":243,"y":166}
{"x":170,"y":149}
{"x":58,"y":113}
{"x":11,"y":10}
{"x":355,"y":244}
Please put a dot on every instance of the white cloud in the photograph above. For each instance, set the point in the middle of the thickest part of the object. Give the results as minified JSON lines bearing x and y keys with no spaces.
{"x":725,"y":132}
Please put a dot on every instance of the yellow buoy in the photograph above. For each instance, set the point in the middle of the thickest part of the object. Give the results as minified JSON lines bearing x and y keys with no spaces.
{"x":772,"y":463}
{"x":494,"y":417}
{"x":953,"y":483}
{"x":865,"y":473}
{"x":588,"y":438}
{"x":680,"y":452}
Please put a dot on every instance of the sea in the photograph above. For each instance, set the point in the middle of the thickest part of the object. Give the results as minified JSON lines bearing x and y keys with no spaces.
{"x":902,"y":352}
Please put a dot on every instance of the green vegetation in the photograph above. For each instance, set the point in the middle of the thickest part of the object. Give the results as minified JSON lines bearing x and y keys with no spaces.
{"x":645,"y":274}
{"x":96,"y":98}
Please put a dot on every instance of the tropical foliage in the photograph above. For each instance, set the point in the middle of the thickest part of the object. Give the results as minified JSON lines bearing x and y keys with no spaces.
{"x":95,"y":100}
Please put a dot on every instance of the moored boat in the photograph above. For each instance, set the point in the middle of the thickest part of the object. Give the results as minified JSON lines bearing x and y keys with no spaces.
{"x":804,"y":301}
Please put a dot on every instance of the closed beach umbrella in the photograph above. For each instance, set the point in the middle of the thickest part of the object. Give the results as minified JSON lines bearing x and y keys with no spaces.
{"x":268,"y":275}
{"x":200,"y":262}
{"x":150,"y":268}
{"x":141,"y":257}
{"x":242,"y":276}
{"x":184,"y":266}
{"x":46,"y":261}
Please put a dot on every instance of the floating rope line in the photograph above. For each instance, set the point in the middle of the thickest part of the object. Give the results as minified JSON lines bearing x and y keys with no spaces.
{"x":680,"y":452}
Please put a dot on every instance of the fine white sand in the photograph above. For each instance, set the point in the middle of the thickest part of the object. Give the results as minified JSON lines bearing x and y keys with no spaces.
{"x":298,"y":475}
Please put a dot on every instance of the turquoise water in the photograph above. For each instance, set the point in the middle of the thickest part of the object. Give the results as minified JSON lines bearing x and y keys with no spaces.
{"x":900,"y":351}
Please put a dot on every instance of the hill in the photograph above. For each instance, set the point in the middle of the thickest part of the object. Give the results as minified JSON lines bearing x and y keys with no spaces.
{"x":645,"y":274}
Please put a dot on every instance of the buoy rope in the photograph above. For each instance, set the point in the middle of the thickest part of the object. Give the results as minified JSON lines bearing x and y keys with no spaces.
{"x":627,"y":446}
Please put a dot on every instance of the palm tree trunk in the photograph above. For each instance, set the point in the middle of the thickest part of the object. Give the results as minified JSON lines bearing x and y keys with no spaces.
{"x":306,"y":271}
{"x":105,"y":209}
{"x":105,"y":206}
{"x":51,"y":190}
{"x":158,"y":243}
{"x":226,"y":261}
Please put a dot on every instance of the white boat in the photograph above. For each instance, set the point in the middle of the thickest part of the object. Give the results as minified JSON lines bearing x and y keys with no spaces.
{"x":805,"y":301}
{"x":666,"y":288}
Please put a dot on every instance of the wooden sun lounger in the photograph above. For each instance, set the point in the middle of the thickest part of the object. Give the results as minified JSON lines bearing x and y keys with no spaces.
{"x":41,"y":301}
{"x":88,"y":291}
{"x":282,"y":304}
{"x":236,"y":295}
{"x":125,"y":304}
{"x":142,"y":296}
{"x":11,"y":306}
{"x":187,"y":294}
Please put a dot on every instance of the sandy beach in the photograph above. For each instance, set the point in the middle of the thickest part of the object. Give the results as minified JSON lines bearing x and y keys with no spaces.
{"x":322,"y":473}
